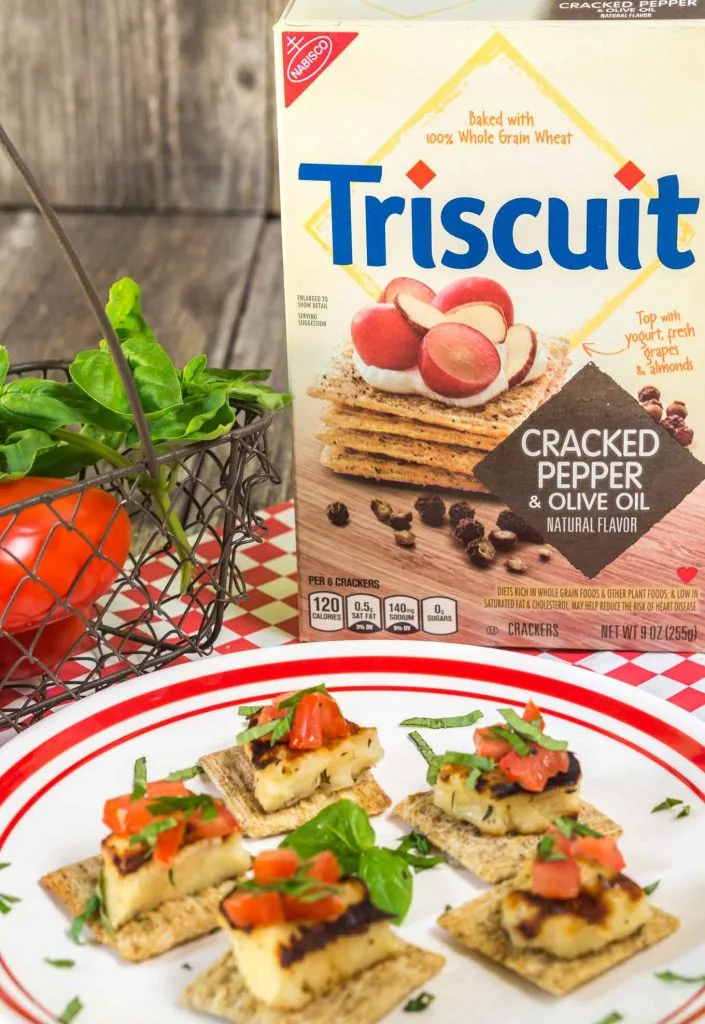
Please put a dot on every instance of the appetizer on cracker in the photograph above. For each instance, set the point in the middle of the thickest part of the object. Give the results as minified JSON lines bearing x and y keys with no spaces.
{"x":296,"y":755}
{"x":484,"y":805}
{"x":569,"y":914}
{"x":308,"y":934}
{"x":169,"y":856}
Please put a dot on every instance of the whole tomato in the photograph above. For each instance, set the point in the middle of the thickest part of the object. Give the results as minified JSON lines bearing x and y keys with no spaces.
{"x":47,"y":647}
{"x":71,"y":548}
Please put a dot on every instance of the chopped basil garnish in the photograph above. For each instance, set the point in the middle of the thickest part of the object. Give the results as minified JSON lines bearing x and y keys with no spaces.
{"x":419,"y":1003}
{"x":611,"y":1018}
{"x":431,"y":758}
{"x":547,"y":852}
{"x":186,"y":967}
{"x":278,"y":727}
{"x":257,"y":732}
{"x":512,"y":739}
{"x":300,"y":885}
{"x":570,"y":827}
{"x":7,"y":901}
{"x":62,"y":964}
{"x":95,"y":905}
{"x":248,"y":710}
{"x":170,"y":876}
{"x":458,"y":722}
{"x":150,"y":832}
{"x":648,"y":889}
{"x":684,"y":812}
{"x":697,"y":979}
{"x":71,"y":1011}
{"x":531,"y":731}
{"x":184,"y":774}
{"x":667,"y":804}
{"x":185,"y":805}
{"x":293,"y":700}
{"x":416,"y":851}
{"x":474,"y":762}
{"x":139,"y":784}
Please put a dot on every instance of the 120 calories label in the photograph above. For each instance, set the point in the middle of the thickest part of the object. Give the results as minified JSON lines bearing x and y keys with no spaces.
{"x":400,"y":615}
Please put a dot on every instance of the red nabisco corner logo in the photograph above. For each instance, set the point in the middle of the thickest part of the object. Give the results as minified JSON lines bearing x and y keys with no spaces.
{"x":307,"y":55}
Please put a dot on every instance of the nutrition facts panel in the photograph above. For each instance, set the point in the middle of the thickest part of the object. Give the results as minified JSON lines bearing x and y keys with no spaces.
{"x":400,"y":615}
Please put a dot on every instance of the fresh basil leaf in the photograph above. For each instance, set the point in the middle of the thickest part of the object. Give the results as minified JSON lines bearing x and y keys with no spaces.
{"x":71,"y":1011}
{"x":61,"y":461}
{"x":516,"y":742}
{"x":184,"y":805}
{"x":19,"y":451}
{"x":416,"y":851}
{"x":649,"y":889}
{"x":4,"y":364}
{"x":61,"y":964}
{"x":198,"y":419}
{"x":96,"y":374}
{"x":192,"y":374}
{"x":151,"y":832}
{"x":184,"y":774}
{"x":257,"y":394}
{"x":670,"y":976}
{"x":531,"y":731}
{"x":139,"y":784}
{"x":665,"y":805}
{"x":155,"y":375}
{"x":198,"y":376}
{"x":124,"y":309}
{"x":570,"y":827}
{"x":343,"y":828}
{"x":50,"y":404}
{"x":388,"y":880}
{"x":611,"y":1018}
{"x":419,"y":1003}
{"x":457,"y":722}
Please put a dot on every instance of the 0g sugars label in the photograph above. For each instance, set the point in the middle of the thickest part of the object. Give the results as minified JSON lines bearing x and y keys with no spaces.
{"x":591,"y":470}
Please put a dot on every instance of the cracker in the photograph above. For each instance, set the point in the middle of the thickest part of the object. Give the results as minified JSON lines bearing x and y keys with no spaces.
{"x":347,"y":418}
{"x":491,"y":858}
{"x":229,"y":771}
{"x":478,"y":925}
{"x":496,"y":420}
{"x":363,"y":999}
{"x":152,"y":933}
{"x":453,"y":458}
{"x":379,"y":467}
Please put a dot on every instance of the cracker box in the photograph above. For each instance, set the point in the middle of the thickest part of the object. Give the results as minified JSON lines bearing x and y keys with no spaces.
{"x":496,"y":318}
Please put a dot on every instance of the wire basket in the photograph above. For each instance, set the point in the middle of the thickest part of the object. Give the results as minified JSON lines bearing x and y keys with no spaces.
{"x":169,"y":596}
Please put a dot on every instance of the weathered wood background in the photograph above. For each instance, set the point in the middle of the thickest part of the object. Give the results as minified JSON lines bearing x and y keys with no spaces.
{"x":150,"y":123}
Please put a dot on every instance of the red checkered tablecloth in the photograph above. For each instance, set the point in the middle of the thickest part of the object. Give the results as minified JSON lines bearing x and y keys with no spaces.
{"x":268,"y":617}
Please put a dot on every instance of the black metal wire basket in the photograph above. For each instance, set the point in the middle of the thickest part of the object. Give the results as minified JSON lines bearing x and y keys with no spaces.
{"x":169,"y":595}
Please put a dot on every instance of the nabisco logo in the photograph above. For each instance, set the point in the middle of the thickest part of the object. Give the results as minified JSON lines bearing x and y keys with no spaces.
{"x":309,"y":58}
{"x":307,"y":55}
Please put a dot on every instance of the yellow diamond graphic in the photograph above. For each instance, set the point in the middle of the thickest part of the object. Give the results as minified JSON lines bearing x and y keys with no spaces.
{"x":427,"y":13}
{"x":497,"y":46}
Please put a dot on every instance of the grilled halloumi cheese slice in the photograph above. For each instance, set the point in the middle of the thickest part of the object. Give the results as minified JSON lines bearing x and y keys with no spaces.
{"x":498,"y":807}
{"x":287,"y":965}
{"x":281,"y":777}
{"x":133,"y":883}
{"x":610,"y":907}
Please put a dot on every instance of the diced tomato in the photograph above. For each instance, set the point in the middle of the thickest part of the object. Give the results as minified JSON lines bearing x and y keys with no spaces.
{"x":531,"y":713}
{"x":274,"y":864}
{"x":124,"y":817}
{"x":325,"y":909}
{"x":603,"y":851}
{"x":533,"y":771}
{"x":561,"y":843}
{"x":555,"y":879}
{"x":211,"y":828}
{"x":307,"y":728}
{"x":325,"y":868}
{"x":334,"y":725}
{"x":488,"y":745}
{"x":250,"y":910}
{"x":270,"y":713}
{"x":168,"y":843}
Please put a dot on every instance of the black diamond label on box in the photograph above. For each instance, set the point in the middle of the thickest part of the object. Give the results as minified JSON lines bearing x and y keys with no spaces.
{"x":591,"y":471}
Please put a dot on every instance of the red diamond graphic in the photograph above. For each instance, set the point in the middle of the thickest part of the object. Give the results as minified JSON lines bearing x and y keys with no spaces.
{"x":421,"y":174}
{"x":629,"y":175}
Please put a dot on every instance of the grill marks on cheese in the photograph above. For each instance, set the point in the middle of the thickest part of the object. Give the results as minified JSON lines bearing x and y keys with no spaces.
{"x":609,"y":907}
{"x":499,"y":807}
{"x":281,"y":776}
{"x":287,"y":965}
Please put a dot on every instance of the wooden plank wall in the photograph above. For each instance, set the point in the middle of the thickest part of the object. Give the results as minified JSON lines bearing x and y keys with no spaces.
{"x":141,"y":104}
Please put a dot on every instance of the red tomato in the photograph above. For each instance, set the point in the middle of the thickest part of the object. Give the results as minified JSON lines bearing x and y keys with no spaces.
{"x":270,"y":713}
{"x":273,"y":864}
{"x":317,"y":719}
{"x":168,"y":844}
{"x":602,"y":850}
{"x":78,"y":561}
{"x":531,"y":713}
{"x":250,"y":910}
{"x":212,"y":828}
{"x":488,"y":745}
{"x":555,"y":879}
{"x":533,"y":771}
{"x":325,"y":909}
{"x":325,"y":868}
{"x":124,"y":817}
{"x":561,"y":843}
{"x":47,"y":646}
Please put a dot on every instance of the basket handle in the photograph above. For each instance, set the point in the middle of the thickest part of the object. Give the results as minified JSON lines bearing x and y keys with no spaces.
{"x":55,"y":226}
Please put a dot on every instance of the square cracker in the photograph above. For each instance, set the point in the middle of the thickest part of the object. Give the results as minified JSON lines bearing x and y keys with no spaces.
{"x":230,"y":772}
{"x":491,"y":858}
{"x":363,"y":999}
{"x":150,"y":934}
{"x":380,"y":467}
{"x":343,"y":417}
{"x":478,"y":925}
{"x":453,"y":458}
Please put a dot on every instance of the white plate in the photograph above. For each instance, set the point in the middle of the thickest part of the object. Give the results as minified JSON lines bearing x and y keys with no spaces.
{"x":635,"y":751}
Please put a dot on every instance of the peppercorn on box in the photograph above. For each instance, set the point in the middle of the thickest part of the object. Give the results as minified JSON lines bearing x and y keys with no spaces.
{"x":496,"y":318}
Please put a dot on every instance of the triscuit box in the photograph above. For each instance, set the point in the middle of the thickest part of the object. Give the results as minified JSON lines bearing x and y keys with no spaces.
{"x":496,"y":318}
